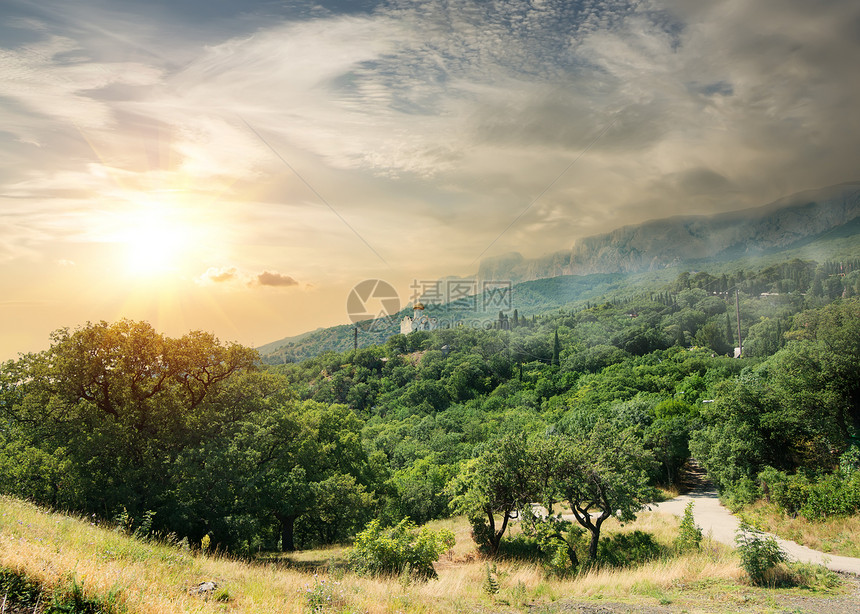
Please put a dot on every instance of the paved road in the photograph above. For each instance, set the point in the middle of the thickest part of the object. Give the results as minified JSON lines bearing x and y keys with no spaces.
{"x":719,"y":522}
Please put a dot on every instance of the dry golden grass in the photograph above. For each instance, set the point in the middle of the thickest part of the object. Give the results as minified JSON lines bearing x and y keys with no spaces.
{"x":834,"y":535}
{"x":669,"y":492}
{"x":153,"y":579}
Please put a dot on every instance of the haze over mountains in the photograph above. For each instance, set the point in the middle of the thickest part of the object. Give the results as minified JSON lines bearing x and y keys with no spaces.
{"x":808,"y":225}
{"x":686,"y":239}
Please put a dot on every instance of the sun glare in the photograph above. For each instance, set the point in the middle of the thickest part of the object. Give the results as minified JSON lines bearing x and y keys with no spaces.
{"x":156,"y":241}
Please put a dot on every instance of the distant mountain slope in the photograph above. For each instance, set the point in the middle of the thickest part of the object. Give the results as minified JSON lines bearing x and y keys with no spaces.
{"x":817,"y":225}
{"x":677,"y":240}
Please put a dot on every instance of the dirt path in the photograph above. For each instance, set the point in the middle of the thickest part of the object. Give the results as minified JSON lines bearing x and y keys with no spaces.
{"x":721,"y":525}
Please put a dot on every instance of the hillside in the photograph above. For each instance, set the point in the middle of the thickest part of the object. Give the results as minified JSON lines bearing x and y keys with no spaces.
{"x":544,"y":295}
{"x":55,"y":563}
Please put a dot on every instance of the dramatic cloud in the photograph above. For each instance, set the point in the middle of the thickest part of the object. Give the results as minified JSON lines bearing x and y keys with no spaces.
{"x":405,"y":136}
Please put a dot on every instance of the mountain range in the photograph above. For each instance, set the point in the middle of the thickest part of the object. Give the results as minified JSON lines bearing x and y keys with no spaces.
{"x":818,"y":224}
{"x":687,"y":239}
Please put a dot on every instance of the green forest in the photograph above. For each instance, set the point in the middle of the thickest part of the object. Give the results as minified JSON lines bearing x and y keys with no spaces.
{"x":594,"y":404}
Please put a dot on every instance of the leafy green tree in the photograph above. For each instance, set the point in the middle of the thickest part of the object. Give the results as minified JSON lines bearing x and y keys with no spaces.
{"x":601,"y":474}
{"x":117,"y":405}
{"x":668,"y":436}
{"x":309,"y":465}
{"x":420,"y":490}
{"x":711,"y":335}
{"x":799,"y":409}
{"x":499,"y":481}
{"x":341,"y":506}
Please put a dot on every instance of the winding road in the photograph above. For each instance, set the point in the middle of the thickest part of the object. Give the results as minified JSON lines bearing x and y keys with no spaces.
{"x":718,"y":522}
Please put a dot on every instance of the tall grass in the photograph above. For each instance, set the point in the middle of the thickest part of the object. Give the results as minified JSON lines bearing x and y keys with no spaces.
{"x":840,"y":535}
{"x":152,"y":578}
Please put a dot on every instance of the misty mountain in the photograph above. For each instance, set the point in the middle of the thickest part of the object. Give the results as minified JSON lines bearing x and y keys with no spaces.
{"x":815,"y":225}
{"x":681,"y":240}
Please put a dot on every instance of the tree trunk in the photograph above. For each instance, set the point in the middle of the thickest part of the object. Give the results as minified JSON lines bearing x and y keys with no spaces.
{"x":287,"y":525}
{"x":498,"y":537}
{"x":592,"y":547}
{"x":595,"y":536}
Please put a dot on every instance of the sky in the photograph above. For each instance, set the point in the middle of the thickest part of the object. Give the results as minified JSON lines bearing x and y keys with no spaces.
{"x":238,"y":167}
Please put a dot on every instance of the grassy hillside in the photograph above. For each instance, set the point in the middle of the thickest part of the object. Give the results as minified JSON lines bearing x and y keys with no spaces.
{"x":67,"y":558}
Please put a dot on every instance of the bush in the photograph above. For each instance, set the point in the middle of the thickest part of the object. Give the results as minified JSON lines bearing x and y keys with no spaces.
{"x":759,"y":553}
{"x":836,"y":494}
{"x":325,"y":596}
{"x":689,"y":535}
{"x":628,"y":549}
{"x":378,"y":550}
{"x":743,"y":492}
{"x":556,"y":541}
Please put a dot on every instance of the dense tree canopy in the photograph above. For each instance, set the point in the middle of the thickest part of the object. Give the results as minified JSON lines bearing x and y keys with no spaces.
{"x":594,"y":403}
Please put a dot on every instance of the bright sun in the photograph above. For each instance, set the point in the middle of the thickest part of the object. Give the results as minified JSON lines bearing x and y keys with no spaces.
{"x":156,"y":241}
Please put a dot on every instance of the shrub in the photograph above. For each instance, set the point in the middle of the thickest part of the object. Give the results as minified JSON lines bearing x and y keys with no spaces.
{"x":379,"y":550}
{"x":556,"y":540}
{"x":627,"y":549}
{"x":490,"y":585}
{"x":325,"y":596}
{"x":743,"y":492}
{"x":833,"y":494}
{"x":689,"y":535}
{"x":759,"y":553}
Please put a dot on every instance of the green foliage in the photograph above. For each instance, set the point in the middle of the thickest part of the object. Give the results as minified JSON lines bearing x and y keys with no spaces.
{"x":816,"y":498}
{"x":689,"y":534}
{"x":759,"y":553}
{"x":795,"y":412}
{"x":194,"y":433}
{"x":559,"y":541}
{"x":629,"y":549}
{"x":144,"y":529}
{"x":421,"y":490}
{"x":604,"y":471}
{"x":379,"y":550}
{"x":490,"y":585}
{"x":325,"y":595}
{"x":500,"y":481}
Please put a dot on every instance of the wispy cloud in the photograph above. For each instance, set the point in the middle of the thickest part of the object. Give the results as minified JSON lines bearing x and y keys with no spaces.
{"x":219,"y":275}
{"x":235,"y":278}
{"x":427,"y":125}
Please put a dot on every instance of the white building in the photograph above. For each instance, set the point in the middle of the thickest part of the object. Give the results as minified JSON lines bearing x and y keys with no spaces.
{"x":418,"y":321}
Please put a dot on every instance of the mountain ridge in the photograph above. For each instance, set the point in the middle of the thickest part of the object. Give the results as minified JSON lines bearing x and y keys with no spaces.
{"x":672,"y":241}
{"x":814,"y":224}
